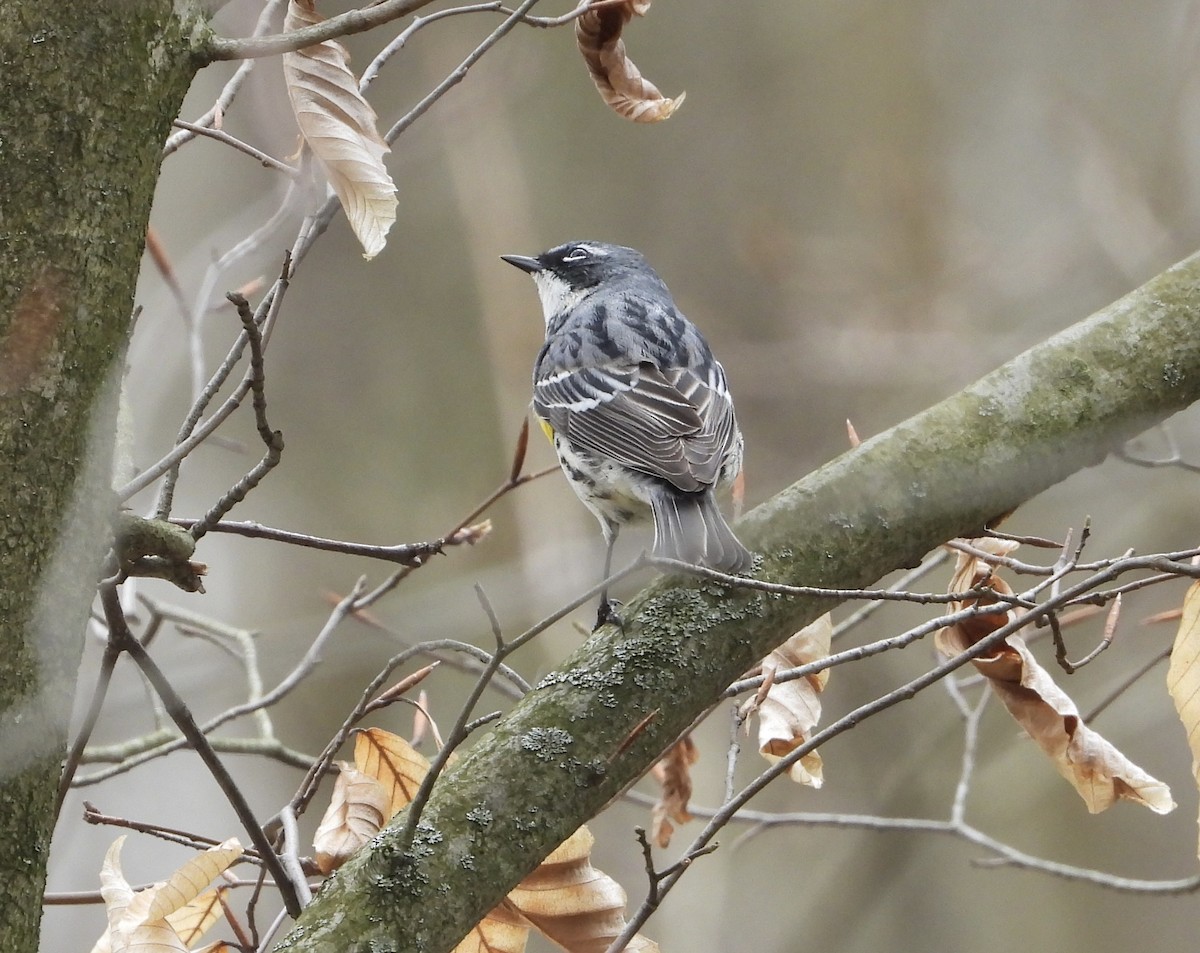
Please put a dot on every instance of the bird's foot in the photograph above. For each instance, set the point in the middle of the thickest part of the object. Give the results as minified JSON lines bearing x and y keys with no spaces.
{"x":607,"y":612}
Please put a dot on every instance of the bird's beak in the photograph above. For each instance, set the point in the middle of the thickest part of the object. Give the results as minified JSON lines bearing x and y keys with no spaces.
{"x":524,"y":262}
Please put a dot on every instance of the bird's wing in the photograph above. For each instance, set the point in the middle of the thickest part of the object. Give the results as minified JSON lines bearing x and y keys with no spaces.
{"x":668,"y":424}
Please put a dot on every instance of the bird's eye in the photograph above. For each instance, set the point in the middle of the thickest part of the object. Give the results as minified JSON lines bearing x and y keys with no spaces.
{"x":578,"y":253}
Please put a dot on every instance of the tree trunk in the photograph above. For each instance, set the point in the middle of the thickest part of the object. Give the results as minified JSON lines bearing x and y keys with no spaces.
{"x":90,"y":92}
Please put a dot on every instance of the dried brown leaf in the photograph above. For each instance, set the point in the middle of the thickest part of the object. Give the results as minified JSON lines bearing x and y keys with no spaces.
{"x":501,"y":931}
{"x":186,"y":883}
{"x":145,"y":920}
{"x":620,"y":82}
{"x":358,"y":809}
{"x":339,"y":127}
{"x":969,"y":572}
{"x":1183,"y":673}
{"x":573,"y":903}
{"x":788,"y":711}
{"x":673,"y":773}
{"x":1099,"y":772}
{"x":195,"y":918}
{"x":393,"y":761}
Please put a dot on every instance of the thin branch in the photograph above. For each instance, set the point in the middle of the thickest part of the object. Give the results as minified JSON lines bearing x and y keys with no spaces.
{"x":183,"y":718}
{"x":290,"y":855}
{"x":170,"y":834}
{"x":359,"y":21}
{"x":271,"y":930}
{"x":736,"y":721}
{"x":231,"y":88}
{"x":272,"y":439}
{"x":192,"y":433}
{"x":108,"y":663}
{"x":727,"y":811}
{"x":221,"y":136}
{"x":458,"y":74}
{"x":458,"y":734}
{"x":1173,"y":457}
{"x":966,"y":772}
{"x":862,"y":613}
{"x":1126,"y":683}
{"x":889,"y":594}
{"x":345,"y":24}
{"x":861,"y":651}
{"x":407,"y":554}
{"x":463,"y":524}
{"x":371,"y":73}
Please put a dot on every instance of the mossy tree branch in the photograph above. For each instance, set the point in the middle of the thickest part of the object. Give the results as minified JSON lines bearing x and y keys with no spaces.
{"x":564,"y":751}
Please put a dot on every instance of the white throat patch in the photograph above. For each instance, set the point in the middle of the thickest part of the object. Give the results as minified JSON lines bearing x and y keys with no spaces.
{"x":557,"y":296}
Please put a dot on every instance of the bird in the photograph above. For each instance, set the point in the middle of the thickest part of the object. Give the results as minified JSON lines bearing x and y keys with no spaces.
{"x":636,"y":406}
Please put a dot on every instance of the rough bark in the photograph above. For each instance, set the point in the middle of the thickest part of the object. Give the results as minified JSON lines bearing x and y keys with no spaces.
{"x":560,"y":755}
{"x":90,"y":91}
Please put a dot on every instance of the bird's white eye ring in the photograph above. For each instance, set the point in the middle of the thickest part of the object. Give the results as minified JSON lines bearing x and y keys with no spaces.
{"x":578,"y":253}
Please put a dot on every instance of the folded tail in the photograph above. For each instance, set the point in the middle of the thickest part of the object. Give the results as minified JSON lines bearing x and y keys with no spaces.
{"x":690,"y":527}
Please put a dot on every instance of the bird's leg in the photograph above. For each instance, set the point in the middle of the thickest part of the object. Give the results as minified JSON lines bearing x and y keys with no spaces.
{"x":607,"y":610}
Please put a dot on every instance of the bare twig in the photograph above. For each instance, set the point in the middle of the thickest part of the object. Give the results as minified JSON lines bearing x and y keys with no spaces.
{"x":346,"y":24}
{"x":441,"y":648}
{"x":367,"y":18}
{"x":985,"y":645}
{"x":272,"y":439}
{"x":108,"y":663}
{"x":173,"y":835}
{"x":407,"y":554}
{"x":230,"y":90}
{"x":290,"y":855}
{"x":223,"y":137}
{"x":889,"y":594}
{"x":182,"y":717}
{"x":192,"y":433}
{"x":1126,"y":683}
{"x":655,"y":878}
{"x":458,"y":733}
{"x":862,"y":613}
{"x":459,"y":73}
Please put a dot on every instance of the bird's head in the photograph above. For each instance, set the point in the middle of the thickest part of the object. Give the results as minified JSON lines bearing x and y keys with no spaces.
{"x":567,"y":274}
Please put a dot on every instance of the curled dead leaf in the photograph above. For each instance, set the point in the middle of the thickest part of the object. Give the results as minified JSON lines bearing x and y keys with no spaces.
{"x":673,"y":773}
{"x":619,"y":81}
{"x":358,"y":809}
{"x":1099,"y":772}
{"x":574,"y":904}
{"x":501,"y":931}
{"x":789,"y":711}
{"x":339,"y":127}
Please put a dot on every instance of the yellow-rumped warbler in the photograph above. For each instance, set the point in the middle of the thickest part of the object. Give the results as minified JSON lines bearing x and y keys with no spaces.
{"x":637,"y":406}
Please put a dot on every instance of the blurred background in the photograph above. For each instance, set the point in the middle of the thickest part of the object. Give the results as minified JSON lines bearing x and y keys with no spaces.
{"x":866,"y":205}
